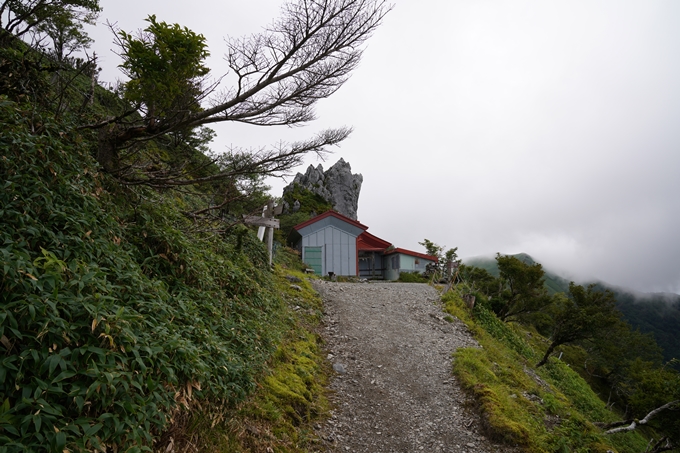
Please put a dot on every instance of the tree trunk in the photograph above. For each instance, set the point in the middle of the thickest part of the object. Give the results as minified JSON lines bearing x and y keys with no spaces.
{"x":544,"y":360}
{"x":110,"y":138}
{"x":107,"y":153}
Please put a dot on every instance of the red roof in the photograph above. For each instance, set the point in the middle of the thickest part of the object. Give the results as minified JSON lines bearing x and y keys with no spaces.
{"x":412,"y":253}
{"x":368,"y":243}
{"x":337,"y":215}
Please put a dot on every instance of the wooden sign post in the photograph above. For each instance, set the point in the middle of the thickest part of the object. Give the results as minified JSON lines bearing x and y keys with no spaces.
{"x":267,"y":222}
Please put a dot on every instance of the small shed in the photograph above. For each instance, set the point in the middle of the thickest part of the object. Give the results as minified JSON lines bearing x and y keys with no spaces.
{"x":401,"y":260}
{"x":329,"y":243}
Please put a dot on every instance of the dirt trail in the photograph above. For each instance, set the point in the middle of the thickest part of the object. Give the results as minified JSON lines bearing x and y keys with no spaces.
{"x":394,"y":391}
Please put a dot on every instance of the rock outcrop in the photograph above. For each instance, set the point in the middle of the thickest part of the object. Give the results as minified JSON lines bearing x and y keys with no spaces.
{"x":337,"y":185}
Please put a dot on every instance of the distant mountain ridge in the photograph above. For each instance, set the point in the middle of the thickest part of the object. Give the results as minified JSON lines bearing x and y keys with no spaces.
{"x":656,"y":313}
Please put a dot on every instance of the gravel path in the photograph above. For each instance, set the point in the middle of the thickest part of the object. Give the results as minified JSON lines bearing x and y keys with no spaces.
{"x":394,"y":391}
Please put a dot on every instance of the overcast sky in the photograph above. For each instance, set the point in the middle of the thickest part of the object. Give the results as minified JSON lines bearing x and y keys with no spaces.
{"x":551,"y":128}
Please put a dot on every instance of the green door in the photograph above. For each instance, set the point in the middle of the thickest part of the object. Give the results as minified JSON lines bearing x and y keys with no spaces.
{"x":313,"y":256}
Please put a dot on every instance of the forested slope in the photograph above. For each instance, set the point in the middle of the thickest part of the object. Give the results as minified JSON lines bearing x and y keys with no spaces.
{"x":620,"y":372}
{"x":655,"y":313}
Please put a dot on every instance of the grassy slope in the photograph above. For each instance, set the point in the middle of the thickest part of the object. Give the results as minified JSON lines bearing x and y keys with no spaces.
{"x":290,"y":394}
{"x":550,"y":409}
{"x":123,"y":327}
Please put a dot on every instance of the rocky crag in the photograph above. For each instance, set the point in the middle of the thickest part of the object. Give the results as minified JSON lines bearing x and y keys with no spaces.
{"x":337,"y":185}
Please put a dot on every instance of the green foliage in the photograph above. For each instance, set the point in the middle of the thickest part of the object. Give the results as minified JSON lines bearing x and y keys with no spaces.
{"x":522,"y":291}
{"x":648,"y":387}
{"x":110,"y":315}
{"x":165,"y":66}
{"x":288,"y":258}
{"x":413,"y":277}
{"x":477,"y":279}
{"x":23,"y":16}
{"x":611,"y":357}
{"x":553,"y":283}
{"x":550,"y":409}
{"x":501,"y":331}
{"x":657,"y":314}
{"x":287,"y":222}
{"x":310,"y":203}
{"x":124,"y":308}
{"x":66,"y":31}
{"x":431,"y":248}
{"x":584,"y":315}
{"x":607,"y":362}
{"x":446,"y":261}
{"x":290,"y":395}
{"x":23,"y":74}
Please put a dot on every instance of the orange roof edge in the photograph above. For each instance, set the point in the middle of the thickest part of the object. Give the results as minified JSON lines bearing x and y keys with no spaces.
{"x":412,"y":253}
{"x":369,"y":242}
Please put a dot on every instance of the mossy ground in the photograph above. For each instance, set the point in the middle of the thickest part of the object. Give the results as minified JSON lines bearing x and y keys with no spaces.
{"x":290,"y":395}
{"x":549,"y":409}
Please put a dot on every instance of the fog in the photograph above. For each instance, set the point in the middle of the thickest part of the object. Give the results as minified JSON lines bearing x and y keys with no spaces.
{"x":551,"y":128}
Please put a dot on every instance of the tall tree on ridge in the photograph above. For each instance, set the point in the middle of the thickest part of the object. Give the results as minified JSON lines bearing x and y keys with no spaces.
{"x":584,"y":315}
{"x":279,"y":75}
{"x":522,"y":291}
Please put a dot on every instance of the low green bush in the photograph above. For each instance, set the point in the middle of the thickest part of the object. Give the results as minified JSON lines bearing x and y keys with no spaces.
{"x":412,"y":277}
{"x":112,"y":320}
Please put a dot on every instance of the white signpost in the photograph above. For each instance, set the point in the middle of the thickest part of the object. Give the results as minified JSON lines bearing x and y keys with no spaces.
{"x":267,"y":223}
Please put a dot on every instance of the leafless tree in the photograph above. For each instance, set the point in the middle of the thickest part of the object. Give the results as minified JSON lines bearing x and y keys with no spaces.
{"x":279,"y":75}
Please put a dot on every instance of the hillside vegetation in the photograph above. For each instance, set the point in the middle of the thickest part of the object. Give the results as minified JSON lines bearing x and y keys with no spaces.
{"x":549,"y":409}
{"x":127,"y":322}
{"x":561,"y":371}
{"x":654,"y":313}
{"x":137,"y":311}
{"x":117,"y":318}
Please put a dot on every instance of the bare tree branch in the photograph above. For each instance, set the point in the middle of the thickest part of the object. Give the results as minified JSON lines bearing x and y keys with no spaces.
{"x":272,"y":162}
{"x":618,"y":427}
{"x":664,"y":444}
{"x":280,"y":74}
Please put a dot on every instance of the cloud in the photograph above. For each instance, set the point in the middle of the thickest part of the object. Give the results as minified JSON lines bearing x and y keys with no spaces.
{"x":527,"y":126}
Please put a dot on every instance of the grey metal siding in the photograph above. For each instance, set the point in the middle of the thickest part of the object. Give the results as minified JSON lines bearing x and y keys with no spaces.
{"x":344,"y":246}
{"x":392,"y":267}
{"x":339,"y":248}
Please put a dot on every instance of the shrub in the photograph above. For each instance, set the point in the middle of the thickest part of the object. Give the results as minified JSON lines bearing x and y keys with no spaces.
{"x":412,"y":277}
{"x":110,"y":325}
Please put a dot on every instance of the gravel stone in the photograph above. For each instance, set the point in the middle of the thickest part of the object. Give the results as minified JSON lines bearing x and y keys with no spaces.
{"x":399,"y":395}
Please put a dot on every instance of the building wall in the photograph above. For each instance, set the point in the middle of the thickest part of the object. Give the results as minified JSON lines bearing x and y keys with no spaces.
{"x":396,"y":263}
{"x":339,"y":248}
{"x":392,"y":266}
